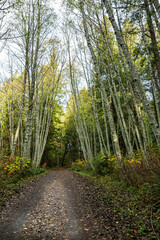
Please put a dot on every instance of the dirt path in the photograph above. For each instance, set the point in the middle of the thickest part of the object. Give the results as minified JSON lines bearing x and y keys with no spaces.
{"x":60,"y":205}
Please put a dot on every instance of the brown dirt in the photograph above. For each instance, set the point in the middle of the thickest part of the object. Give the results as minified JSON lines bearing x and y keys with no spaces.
{"x":60,"y":205}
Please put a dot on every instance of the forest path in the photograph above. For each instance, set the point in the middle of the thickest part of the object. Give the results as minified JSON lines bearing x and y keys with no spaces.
{"x":60,"y":205}
{"x":50,"y":210}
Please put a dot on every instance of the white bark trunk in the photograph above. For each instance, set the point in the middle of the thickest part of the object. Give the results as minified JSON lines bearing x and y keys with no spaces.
{"x":104,"y":95}
{"x":136,"y":81}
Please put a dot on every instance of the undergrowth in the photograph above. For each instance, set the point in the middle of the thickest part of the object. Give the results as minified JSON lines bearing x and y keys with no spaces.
{"x":13,"y":176}
{"x":135,"y":191}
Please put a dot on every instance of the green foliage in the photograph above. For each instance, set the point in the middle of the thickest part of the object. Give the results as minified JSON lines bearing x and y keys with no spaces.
{"x":154,"y":189}
{"x":33,"y":172}
{"x":100,"y":164}
{"x":16,"y":168}
{"x":105,"y":164}
{"x":71,"y":143}
{"x":80,"y":166}
{"x":54,"y":146}
{"x":14,"y":165}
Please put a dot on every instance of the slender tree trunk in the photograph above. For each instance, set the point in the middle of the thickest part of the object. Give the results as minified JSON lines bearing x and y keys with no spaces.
{"x":139,"y":90}
{"x":153,"y":38}
{"x":157,"y":6}
{"x":104,"y":95}
{"x":155,"y":16}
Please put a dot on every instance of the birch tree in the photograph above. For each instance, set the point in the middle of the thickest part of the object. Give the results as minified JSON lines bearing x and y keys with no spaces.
{"x":139,"y":90}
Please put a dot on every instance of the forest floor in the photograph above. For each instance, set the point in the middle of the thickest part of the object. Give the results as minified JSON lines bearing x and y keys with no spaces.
{"x":64,"y":205}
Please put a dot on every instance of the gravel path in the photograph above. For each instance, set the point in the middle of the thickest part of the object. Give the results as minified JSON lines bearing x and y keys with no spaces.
{"x":62,"y":205}
{"x":49,"y":211}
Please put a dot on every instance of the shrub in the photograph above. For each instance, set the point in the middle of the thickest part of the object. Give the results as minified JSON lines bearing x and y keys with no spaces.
{"x":105,"y":164}
{"x":80,"y":165}
{"x":100,"y":164}
{"x":12,"y":165}
{"x":139,"y":170}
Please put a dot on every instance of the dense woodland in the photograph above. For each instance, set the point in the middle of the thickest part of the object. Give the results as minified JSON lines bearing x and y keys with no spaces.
{"x":80,"y":86}
{"x":84,"y":87}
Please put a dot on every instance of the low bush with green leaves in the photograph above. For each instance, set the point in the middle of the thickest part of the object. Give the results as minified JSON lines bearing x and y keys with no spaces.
{"x":32,"y":171}
{"x":80,"y":165}
{"x":104,"y":164}
{"x":14,"y":165}
{"x":100,"y":164}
